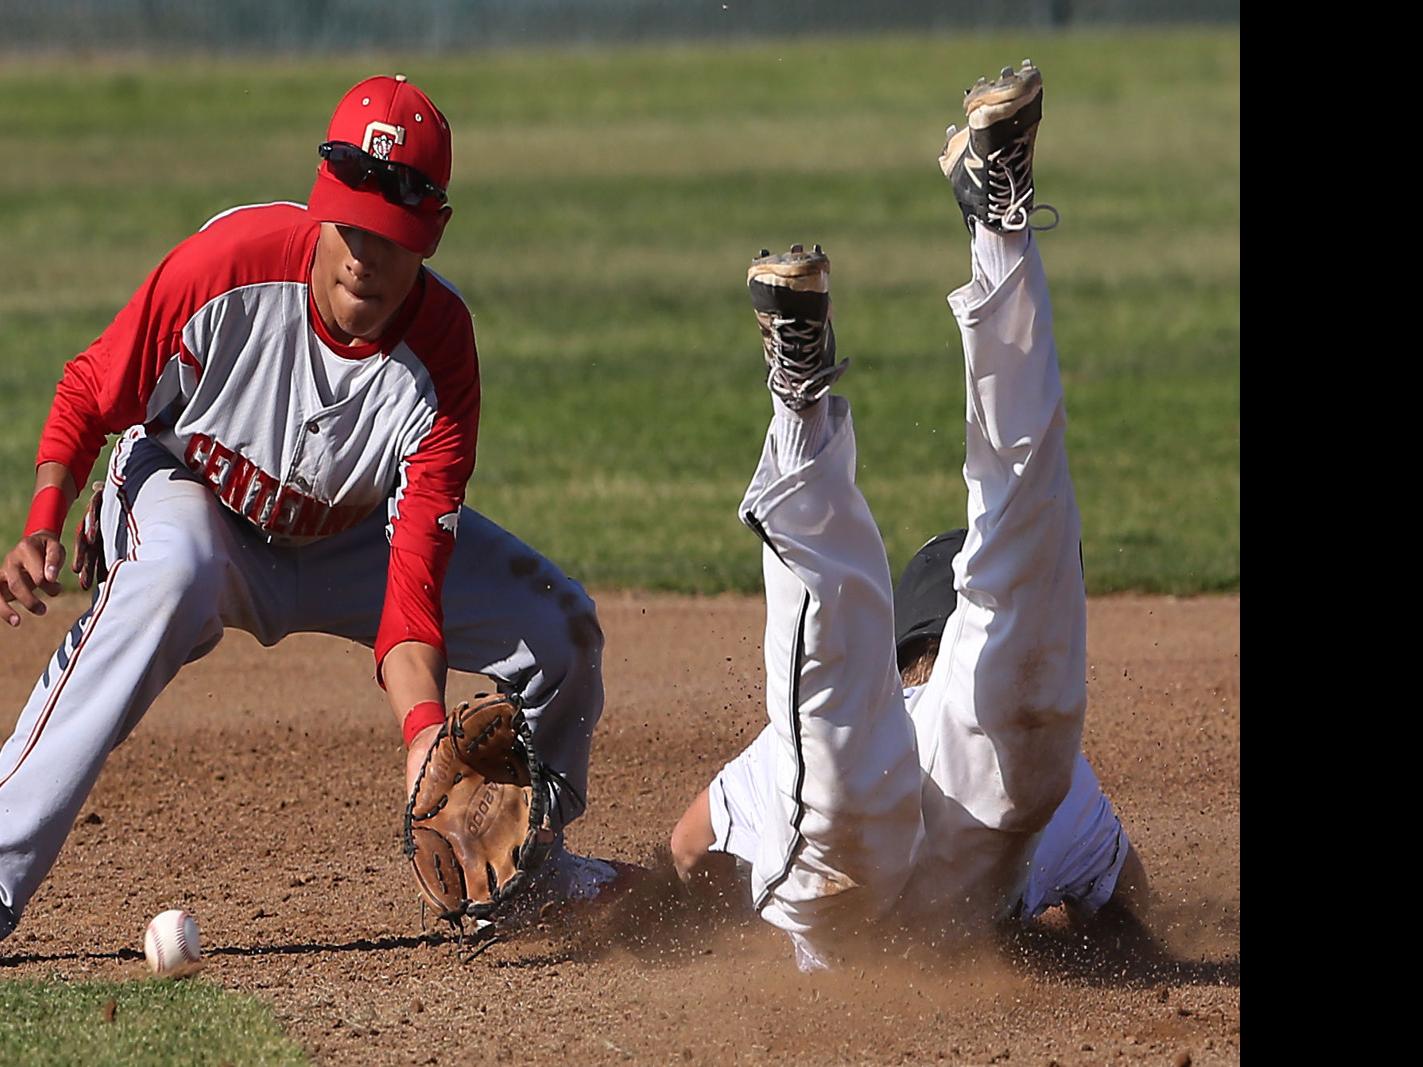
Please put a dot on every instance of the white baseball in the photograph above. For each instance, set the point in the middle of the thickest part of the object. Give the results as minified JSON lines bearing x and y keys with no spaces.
{"x":171,"y":945}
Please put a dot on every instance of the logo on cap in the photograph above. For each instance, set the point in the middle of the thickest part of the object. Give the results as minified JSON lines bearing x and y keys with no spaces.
{"x":381,"y":137}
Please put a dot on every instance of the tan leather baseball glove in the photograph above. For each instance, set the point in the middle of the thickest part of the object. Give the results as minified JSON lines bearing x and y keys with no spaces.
{"x":476,"y":825}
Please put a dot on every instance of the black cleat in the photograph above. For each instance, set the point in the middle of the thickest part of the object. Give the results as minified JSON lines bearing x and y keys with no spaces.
{"x":791,"y":294}
{"x":990,"y":161}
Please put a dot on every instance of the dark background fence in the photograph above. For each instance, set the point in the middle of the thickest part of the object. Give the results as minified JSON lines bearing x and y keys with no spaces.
{"x":451,"y":25}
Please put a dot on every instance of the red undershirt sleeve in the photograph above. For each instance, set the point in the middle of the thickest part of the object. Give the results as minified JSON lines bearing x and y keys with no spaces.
{"x":107,"y":387}
{"x":426,"y":512}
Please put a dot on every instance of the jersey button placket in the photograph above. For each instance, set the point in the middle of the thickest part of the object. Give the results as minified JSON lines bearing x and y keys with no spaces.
{"x":293,"y":478}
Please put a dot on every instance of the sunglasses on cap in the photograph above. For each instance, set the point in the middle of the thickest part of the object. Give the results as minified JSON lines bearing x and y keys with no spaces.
{"x":399,"y":183}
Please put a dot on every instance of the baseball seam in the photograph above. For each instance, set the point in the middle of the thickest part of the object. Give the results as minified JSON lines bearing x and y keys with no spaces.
{"x":184,"y":949}
{"x":158,"y":946}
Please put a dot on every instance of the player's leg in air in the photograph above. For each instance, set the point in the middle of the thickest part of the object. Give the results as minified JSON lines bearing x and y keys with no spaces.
{"x":1014,"y":818}
{"x":824,"y":804}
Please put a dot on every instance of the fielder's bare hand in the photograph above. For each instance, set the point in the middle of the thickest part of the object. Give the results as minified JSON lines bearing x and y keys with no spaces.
{"x":31,"y":567}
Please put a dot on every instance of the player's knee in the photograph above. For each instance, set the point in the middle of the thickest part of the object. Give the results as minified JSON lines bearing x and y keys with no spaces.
{"x":1037,"y":749}
{"x":584,"y":626}
{"x":1032,"y":805}
{"x":566,"y":669}
{"x":584,"y":632}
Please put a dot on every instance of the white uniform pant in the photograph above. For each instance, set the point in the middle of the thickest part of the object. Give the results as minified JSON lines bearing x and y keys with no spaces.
{"x":935,"y":800}
{"x":181,"y":569}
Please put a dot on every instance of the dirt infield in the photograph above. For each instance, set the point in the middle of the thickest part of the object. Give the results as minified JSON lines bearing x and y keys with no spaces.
{"x":262,"y":793}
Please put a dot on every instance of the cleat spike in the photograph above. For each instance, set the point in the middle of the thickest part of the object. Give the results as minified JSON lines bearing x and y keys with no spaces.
{"x":818,"y":250}
{"x":797,"y":248}
{"x":763,"y":253}
{"x":1006,"y":72}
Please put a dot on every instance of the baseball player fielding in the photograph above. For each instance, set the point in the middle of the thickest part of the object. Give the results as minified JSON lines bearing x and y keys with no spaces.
{"x":296,"y":398}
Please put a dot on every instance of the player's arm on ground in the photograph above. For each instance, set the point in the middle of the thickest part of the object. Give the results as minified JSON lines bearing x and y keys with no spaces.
{"x":105,"y":389}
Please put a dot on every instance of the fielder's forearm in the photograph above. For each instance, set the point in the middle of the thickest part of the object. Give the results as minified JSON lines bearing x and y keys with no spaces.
{"x":414,"y":673}
{"x":56,"y":474}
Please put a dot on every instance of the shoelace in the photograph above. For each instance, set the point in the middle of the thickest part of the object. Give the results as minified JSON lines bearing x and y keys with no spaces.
{"x":802,"y":354}
{"x":1009,"y":169}
{"x":796,"y":352}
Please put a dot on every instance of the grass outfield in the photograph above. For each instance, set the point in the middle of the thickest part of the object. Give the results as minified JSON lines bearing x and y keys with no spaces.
{"x":607,"y":203}
{"x":152,"y":1024}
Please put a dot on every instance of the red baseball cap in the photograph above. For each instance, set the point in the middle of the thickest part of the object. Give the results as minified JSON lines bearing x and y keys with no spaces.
{"x":392,"y":120}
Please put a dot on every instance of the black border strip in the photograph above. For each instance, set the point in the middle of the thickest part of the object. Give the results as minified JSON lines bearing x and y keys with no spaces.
{"x":730,"y":822}
{"x":796,"y":818}
{"x":760,"y":531}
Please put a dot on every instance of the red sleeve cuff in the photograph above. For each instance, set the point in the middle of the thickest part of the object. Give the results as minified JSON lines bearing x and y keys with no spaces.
{"x":48,"y":511}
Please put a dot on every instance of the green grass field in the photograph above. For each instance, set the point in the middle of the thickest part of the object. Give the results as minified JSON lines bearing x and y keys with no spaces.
{"x":152,"y":1024}
{"x":607,"y":203}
